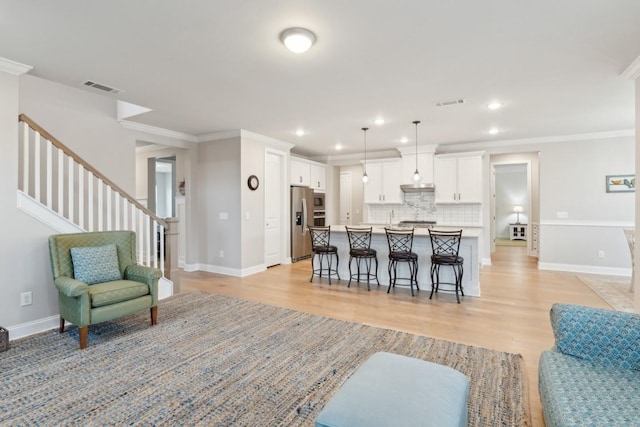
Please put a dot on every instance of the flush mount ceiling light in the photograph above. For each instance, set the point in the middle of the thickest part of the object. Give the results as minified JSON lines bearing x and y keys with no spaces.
{"x":495,"y":105}
{"x":379,"y":121}
{"x":300,"y":132}
{"x":338,"y":146}
{"x":494,"y":131}
{"x":404,"y":139}
{"x":297,"y":40}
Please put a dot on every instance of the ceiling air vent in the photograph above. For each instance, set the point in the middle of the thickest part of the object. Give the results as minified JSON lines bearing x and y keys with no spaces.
{"x":102,"y":87}
{"x":447,"y":103}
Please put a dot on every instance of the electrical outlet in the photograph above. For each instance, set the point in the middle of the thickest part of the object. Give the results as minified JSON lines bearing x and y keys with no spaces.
{"x":224,"y":215}
{"x":26,"y":298}
{"x":221,"y":254}
{"x":600,"y":254}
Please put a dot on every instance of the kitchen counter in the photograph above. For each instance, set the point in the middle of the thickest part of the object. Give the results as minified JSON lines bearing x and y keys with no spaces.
{"x":469,"y":247}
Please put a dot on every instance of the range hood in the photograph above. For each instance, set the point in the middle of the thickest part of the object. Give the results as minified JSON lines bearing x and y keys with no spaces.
{"x":418,"y":188}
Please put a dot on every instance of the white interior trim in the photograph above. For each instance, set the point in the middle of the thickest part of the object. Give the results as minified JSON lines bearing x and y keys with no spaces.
{"x":13,"y":67}
{"x":588,"y":269}
{"x":585,"y":223}
{"x":45,"y":215}
{"x":632,"y":72}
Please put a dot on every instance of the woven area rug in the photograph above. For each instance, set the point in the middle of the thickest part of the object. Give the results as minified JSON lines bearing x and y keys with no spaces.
{"x":613,"y":289}
{"x":215,"y":360}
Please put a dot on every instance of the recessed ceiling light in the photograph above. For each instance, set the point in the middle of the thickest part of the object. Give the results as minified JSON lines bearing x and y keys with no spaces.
{"x":379,"y":121}
{"x":300,"y":132}
{"x":297,"y":40}
{"x":494,"y":131}
{"x":404,"y":139}
{"x":338,"y":147}
{"x":495,"y":105}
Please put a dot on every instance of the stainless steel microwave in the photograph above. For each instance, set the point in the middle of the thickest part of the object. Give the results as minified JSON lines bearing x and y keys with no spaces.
{"x":318,"y":201}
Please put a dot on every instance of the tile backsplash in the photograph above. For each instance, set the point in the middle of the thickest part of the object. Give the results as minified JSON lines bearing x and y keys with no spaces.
{"x":421,"y":207}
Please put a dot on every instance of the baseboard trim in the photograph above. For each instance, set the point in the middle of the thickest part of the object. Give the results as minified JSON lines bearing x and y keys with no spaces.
{"x":34,"y":327}
{"x":234,"y":272}
{"x":45,"y":215}
{"x":588,"y":269}
{"x":485,"y":262}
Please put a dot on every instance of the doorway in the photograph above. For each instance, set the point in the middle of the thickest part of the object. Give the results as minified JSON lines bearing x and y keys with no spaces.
{"x":161,"y":186}
{"x":515,"y":200}
{"x":345,"y":198}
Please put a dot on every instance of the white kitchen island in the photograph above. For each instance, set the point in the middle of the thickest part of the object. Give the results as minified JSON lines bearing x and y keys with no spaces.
{"x":469,"y":247}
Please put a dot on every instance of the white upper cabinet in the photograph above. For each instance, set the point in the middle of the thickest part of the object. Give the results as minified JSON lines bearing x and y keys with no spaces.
{"x":458,"y":178}
{"x":310,"y":174}
{"x":425,"y":167}
{"x":384,"y":182}
{"x":318,"y":177}
{"x":300,"y":172}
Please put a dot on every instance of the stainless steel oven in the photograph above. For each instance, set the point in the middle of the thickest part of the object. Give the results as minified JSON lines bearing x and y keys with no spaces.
{"x":319,"y":218}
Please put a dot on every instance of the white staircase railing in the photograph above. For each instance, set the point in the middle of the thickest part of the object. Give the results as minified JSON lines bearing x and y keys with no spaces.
{"x":56,"y":177}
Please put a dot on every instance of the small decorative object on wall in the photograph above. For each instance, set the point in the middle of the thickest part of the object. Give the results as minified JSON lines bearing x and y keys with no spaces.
{"x":621,"y":183}
{"x":181,"y":187}
{"x":253,"y":182}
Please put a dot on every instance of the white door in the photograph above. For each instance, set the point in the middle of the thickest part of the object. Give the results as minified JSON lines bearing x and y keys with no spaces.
{"x":345,"y":198}
{"x":273,"y":194}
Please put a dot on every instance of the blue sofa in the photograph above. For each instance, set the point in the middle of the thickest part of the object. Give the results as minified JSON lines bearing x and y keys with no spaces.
{"x":592,"y":375}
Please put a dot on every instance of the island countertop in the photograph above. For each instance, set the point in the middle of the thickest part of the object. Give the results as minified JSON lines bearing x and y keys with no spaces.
{"x":469,"y":247}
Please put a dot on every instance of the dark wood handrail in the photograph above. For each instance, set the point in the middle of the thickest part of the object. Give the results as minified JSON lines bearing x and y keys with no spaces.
{"x":24,"y":118}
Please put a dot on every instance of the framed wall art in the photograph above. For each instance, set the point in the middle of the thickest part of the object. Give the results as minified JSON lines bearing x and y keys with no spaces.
{"x":621,"y":183}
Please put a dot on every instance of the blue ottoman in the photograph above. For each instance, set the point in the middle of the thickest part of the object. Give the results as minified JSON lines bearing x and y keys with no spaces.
{"x":393,"y":390}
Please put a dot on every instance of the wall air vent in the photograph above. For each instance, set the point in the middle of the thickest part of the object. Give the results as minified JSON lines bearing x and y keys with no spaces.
{"x":447,"y":103}
{"x":102,"y":87}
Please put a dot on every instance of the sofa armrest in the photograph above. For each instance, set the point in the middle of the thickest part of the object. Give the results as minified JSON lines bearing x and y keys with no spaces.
{"x":143,"y":274}
{"x":607,"y":337}
{"x":71,"y":287}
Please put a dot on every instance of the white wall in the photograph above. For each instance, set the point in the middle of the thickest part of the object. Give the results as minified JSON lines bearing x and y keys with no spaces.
{"x":253,"y":225}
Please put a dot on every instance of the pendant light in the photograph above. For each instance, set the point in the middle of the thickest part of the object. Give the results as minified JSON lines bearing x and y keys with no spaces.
{"x":365,"y":177}
{"x":416,"y":174}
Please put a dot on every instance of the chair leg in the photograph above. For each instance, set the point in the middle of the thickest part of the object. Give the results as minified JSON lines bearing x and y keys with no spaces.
{"x":350,"y":274}
{"x":154,"y":315}
{"x":61,"y":324}
{"x":367,"y":262}
{"x":433,"y":284}
{"x":337,"y":263}
{"x":313,"y":268}
{"x":83,"y":332}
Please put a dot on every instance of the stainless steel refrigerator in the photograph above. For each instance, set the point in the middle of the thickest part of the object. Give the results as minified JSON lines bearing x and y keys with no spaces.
{"x":301,"y":217}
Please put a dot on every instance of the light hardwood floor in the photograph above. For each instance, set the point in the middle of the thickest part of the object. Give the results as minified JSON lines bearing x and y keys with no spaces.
{"x":512,"y":314}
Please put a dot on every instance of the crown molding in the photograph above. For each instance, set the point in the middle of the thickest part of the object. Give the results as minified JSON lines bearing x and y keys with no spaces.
{"x":241,"y":133}
{"x":13,"y":67}
{"x":483,"y":145}
{"x":216,"y":136}
{"x":357,"y":158}
{"x":153,"y":130}
{"x":266,"y":139}
{"x":633,"y":71}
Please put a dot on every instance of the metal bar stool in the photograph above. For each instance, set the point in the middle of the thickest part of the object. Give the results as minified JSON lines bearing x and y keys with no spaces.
{"x":446,"y":245}
{"x":360,"y":249}
{"x":320,"y":237}
{"x":400,"y":244}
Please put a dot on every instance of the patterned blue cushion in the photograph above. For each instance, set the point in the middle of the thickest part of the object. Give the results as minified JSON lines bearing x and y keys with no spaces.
{"x":610,"y":338}
{"x":95,"y":264}
{"x":577,"y":392}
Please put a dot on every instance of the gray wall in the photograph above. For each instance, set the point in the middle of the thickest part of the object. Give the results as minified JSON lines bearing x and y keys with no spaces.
{"x":252,"y":163}
{"x":219,"y":174}
{"x":572,"y":180}
{"x":84,"y":122}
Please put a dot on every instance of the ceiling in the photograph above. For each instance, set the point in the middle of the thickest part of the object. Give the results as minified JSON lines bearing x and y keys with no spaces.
{"x":208,"y":66}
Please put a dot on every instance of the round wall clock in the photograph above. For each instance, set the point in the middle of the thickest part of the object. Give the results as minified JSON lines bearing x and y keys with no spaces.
{"x":253,"y":182}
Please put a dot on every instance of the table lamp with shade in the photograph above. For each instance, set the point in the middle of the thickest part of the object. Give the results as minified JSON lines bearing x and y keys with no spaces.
{"x":517,"y":209}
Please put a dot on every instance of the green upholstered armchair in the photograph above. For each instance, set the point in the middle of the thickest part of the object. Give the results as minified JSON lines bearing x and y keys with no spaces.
{"x":98,"y":278}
